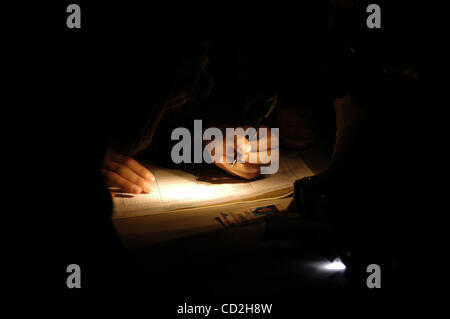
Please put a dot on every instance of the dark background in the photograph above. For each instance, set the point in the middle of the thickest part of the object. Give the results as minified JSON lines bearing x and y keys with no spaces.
{"x":55,"y":97}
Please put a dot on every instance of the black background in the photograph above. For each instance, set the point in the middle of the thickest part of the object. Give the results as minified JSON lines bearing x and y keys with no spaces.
{"x":53,"y":134}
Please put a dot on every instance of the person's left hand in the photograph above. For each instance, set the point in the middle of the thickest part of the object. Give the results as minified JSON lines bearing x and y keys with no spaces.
{"x":126,"y":173}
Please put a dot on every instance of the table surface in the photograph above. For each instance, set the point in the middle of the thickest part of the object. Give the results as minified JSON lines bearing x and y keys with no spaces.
{"x":154,"y":229}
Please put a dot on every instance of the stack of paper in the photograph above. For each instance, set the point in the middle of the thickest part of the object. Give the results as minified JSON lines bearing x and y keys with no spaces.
{"x":176,"y":189}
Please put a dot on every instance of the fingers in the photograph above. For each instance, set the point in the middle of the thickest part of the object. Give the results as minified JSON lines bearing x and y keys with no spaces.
{"x":133,"y":165}
{"x":113,"y":179}
{"x":265,"y":140}
{"x":251,"y":154}
{"x":126,"y":173}
{"x":242,"y":146}
{"x":239,"y":142}
{"x":263,"y":157}
{"x":129,"y":173}
{"x":139,"y":169}
{"x":225,"y":149}
{"x":250,"y":161}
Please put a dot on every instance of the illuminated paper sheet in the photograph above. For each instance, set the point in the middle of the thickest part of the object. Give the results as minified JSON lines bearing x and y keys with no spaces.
{"x":176,"y":189}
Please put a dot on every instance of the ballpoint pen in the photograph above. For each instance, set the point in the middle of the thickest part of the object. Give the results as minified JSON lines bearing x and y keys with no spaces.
{"x":269,"y":106}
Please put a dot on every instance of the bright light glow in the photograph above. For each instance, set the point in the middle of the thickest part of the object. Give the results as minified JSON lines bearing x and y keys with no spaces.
{"x":337,"y":265}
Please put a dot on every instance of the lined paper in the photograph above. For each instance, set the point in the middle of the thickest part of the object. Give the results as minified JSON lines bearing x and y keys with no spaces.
{"x":176,"y":189}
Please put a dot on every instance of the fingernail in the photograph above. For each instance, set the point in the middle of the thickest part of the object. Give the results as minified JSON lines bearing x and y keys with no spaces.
{"x":135,"y":189}
{"x":147,"y":188}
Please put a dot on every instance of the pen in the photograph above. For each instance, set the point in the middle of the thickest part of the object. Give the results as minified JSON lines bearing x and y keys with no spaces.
{"x":269,"y":106}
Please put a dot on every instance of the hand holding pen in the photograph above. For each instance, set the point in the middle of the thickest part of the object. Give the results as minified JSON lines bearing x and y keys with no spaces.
{"x":268,"y":108}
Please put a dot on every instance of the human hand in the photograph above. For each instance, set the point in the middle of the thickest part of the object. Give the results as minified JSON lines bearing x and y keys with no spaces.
{"x":252,"y":155}
{"x":126,"y":173}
